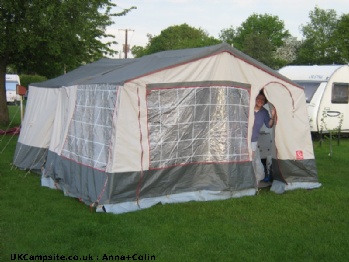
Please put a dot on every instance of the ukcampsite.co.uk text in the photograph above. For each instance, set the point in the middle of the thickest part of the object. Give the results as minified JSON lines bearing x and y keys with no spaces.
{"x":104,"y":257}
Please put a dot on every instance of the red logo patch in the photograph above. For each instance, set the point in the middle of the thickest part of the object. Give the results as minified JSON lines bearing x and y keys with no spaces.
{"x":299,"y":155}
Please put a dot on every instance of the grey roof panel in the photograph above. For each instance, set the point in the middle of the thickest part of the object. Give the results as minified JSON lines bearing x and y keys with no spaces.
{"x":119,"y":71}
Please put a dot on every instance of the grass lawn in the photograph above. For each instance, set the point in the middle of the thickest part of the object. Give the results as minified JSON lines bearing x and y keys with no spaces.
{"x":300,"y":225}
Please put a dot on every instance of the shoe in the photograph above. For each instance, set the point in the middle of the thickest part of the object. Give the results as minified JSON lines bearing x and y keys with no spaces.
{"x":267,"y":179}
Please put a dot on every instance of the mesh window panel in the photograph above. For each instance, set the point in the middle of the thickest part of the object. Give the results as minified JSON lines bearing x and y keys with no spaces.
{"x":197,"y":124}
{"x":90,"y":128}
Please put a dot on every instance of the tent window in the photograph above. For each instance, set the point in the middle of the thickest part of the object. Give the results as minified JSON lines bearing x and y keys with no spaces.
{"x":197,"y":124}
{"x":309,"y":89}
{"x":89,"y":131}
{"x":340,"y":93}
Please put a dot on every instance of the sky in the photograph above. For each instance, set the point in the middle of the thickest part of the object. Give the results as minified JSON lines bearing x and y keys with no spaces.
{"x":153,"y":16}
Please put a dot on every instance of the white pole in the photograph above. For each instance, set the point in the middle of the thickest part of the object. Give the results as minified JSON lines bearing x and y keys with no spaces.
{"x":21,"y":110}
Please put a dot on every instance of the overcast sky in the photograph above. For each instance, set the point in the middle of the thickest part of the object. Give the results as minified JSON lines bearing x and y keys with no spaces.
{"x":153,"y":16}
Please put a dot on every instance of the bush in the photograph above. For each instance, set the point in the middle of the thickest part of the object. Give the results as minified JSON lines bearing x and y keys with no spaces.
{"x":26,"y":80}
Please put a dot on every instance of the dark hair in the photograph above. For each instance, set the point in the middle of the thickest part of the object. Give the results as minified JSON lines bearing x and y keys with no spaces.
{"x":261,"y":92}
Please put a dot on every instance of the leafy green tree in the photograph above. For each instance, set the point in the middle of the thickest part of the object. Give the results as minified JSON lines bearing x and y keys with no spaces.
{"x":259,"y":36}
{"x":267,"y":25}
{"x":228,"y":35}
{"x":49,"y":37}
{"x":263,"y":51}
{"x":320,"y":44}
{"x":341,"y":35}
{"x":139,"y":51}
{"x":175,"y":37}
{"x":305,"y":53}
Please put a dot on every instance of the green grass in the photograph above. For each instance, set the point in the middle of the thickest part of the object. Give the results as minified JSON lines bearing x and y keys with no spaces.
{"x":300,"y":225}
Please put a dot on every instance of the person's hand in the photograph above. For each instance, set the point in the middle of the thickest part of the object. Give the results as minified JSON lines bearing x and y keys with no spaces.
{"x":273,"y":113}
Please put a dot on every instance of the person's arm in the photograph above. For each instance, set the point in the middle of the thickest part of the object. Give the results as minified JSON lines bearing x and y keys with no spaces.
{"x":273,"y":118}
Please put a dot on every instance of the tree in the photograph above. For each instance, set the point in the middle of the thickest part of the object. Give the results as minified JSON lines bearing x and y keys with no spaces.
{"x":320,"y":44}
{"x":288,"y":51}
{"x":139,"y":51}
{"x":259,"y":36}
{"x":267,"y":25}
{"x":176,"y":37}
{"x":228,"y":35}
{"x":263,"y":50}
{"x":341,"y":35}
{"x":305,"y":53}
{"x":49,"y":37}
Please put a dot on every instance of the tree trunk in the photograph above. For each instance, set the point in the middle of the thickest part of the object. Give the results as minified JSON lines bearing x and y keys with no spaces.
{"x":4,"y":114}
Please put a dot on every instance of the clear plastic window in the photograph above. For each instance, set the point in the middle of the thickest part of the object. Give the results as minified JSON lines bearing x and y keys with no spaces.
{"x":197,"y":124}
{"x":90,"y":129}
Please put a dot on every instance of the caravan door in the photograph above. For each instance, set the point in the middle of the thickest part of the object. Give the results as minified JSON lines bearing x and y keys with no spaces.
{"x":333,"y":113}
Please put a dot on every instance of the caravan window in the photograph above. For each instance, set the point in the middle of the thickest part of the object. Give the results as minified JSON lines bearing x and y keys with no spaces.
{"x":309,"y":89}
{"x":11,"y":86}
{"x":340,"y":93}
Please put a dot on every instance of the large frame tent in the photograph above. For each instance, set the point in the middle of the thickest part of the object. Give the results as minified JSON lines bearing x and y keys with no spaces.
{"x":175,"y":126}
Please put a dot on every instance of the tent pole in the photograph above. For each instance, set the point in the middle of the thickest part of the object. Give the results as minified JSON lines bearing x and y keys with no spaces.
{"x":21,"y":104}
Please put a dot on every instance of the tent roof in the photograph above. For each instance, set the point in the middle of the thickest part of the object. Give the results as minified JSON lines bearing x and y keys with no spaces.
{"x":119,"y":71}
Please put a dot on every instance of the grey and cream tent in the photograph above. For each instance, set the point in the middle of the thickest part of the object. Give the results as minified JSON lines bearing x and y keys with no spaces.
{"x":175,"y":126}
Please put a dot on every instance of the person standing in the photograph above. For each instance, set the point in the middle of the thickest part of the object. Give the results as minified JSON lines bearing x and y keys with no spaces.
{"x":261,"y":116}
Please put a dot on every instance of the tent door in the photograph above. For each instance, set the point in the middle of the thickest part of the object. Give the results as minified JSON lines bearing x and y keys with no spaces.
{"x":281,"y":98}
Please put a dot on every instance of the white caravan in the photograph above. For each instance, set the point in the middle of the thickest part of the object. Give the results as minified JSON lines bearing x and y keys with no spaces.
{"x":11,"y":89}
{"x":327,"y":90}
